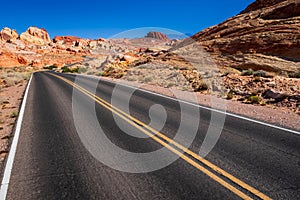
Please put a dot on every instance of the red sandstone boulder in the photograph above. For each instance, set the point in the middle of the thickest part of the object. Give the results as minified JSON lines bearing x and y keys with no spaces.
{"x":8,"y":35}
{"x":35,"y":36}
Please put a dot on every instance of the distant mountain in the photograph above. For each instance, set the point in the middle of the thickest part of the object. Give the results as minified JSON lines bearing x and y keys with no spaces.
{"x":157,"y":35}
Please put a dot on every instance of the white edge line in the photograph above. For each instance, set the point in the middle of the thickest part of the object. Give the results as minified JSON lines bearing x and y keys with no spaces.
{"x":197,"y":105}
{"x":13,"y":148}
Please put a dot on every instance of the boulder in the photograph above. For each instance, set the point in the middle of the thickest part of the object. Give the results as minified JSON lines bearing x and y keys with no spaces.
{"x":71,"y":41}
{"x":93,"y":44}
{"x":64,"y":39}
{"x":35,"y":36}
{"x":101,"y":40}
{"x":8,"y":35}
{"x":269,"y":94}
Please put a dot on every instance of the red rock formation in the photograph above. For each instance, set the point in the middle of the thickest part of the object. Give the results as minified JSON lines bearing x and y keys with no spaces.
{"x":8,"y":59}
{"x":268,"y":27}
{"x":157,"y":35}
{"x":22,"y":60}
{"x":101,"y":40}
{"x":36,"y":36}
{"x":35,"y":48}
{"x":259,"y":4}
{"x":8,"y":35}
{"x":65,"y":39}
{"x":70,"y":40}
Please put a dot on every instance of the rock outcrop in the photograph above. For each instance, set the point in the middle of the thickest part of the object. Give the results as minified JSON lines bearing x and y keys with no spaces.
{"x":35,"y":36}
{"x":259,"y":4}
{"x":157,"y":35}
{"x":34,"y":48}
{"x":8,"y":35}
{"x":268,"y":29}
{"x":70,"y":40}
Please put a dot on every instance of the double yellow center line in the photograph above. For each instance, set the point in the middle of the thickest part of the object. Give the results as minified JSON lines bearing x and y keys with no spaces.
{"x":235,"y":184}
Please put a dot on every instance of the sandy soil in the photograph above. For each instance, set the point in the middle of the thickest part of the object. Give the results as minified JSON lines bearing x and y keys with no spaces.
{"x":10,"y":99}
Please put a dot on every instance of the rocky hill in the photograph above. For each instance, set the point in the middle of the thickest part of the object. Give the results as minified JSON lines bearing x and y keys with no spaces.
{"x":259,"y":4}
{"x":36,"y":36}
{"x":157,"y":35}
{"x":266,"y":36}
{"x":35,"y":48}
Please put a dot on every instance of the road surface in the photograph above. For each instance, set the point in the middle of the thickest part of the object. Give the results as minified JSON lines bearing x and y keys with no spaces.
{"x":250,"y":160}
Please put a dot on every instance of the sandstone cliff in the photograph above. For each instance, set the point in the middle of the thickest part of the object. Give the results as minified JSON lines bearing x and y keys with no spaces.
{"x":259,"y":4}
{"x":264,"y":36}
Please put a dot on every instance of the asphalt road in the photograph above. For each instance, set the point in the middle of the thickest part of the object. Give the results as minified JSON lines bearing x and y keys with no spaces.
{"x":53,"y":162}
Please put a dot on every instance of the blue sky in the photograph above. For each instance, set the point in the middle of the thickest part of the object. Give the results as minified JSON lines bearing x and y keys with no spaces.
{"x":94,"y":19}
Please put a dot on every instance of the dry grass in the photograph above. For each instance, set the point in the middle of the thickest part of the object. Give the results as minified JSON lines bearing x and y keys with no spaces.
{"x":11,"y":77}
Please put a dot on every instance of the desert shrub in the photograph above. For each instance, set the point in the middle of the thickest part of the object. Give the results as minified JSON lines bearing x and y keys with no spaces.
{"x":257,"y":79}
{"x":263,"y":103}
{"x":254,"y":93}
{"x":51,"y":67}
{"x":229,"y":95}
{"x":148,"y":79}
{"x":200,"y":86}
{"x":3,"y":100}
{"x":14,"y":78}
{"x":260,"y":73}
{"x":11,"y":81}
{"x":120,"y":75}
{"x":254,"y":99}
{"x":66,"y":69}
{"x":82,"y":69}
{"x":203,"y":86}
{"x":75,"y":70}
{"x":131,"y":79}
{"x":283,"y":74}
{"x":14,"y":114}
{"x":170,"y":85}
{"x":294,"y":75}
{"x":247,"y":72}
{"x":95,"y":73}
{"x":25,"y":75}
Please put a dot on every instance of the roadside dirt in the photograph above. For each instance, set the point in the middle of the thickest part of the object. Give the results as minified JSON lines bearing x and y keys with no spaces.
{"x":268,"y":113}
{"x":10,"y":99}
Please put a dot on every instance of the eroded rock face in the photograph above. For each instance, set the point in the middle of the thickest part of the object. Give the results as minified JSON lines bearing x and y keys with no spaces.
{"x":157,"y":35}
{"x":266,"y":27}
{"x":8,"y":35}
{"x":69,"y":40}
{"x":259,"y":4}
{"x":36,"y":36}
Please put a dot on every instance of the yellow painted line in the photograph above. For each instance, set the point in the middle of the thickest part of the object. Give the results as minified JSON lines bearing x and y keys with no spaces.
{"x":126,"y":117}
